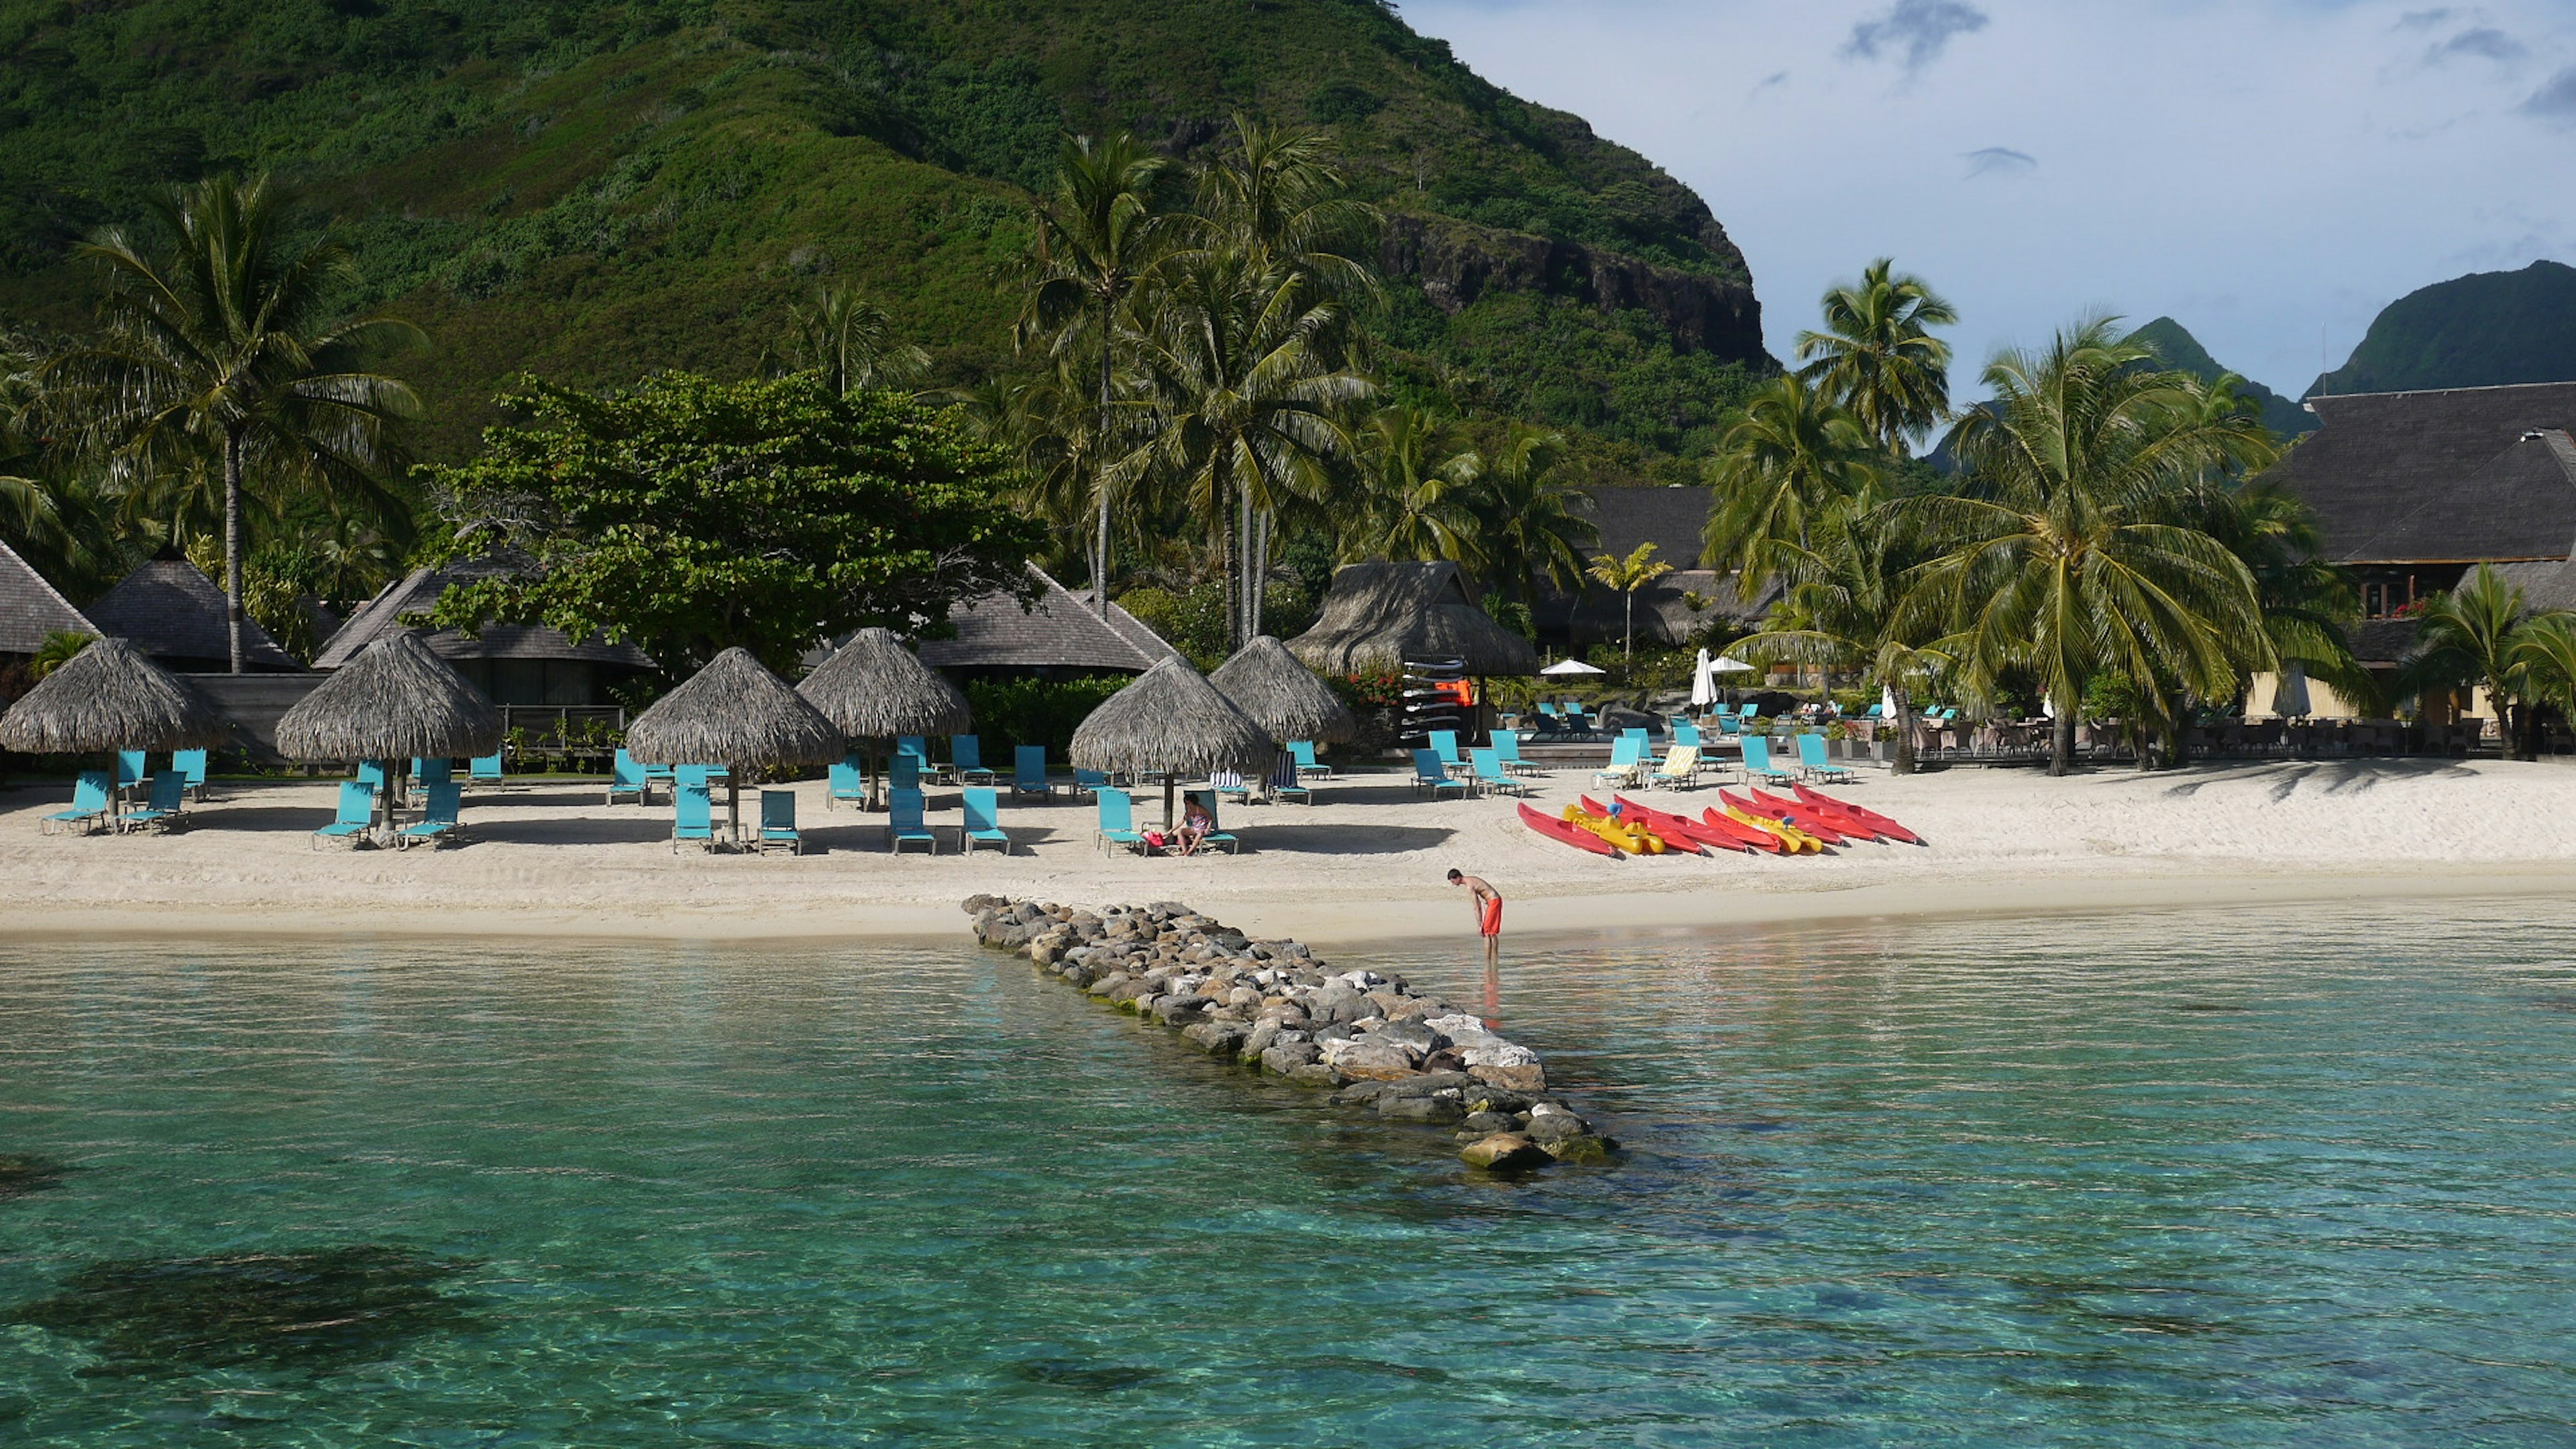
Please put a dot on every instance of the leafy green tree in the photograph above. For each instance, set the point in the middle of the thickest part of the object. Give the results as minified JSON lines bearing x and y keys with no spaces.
{"x":220,"y":352}
{"x":1531,"y":526}
{"x":1627,"y":576}
{"x":2064,"y":559}
{"x":1418,"y":496}
{"x":690,"y":516}
{"x":1096,"y":234}
{"x":851,"y":341}
{"x":1793,"y":455}
{"x":1877,"y":357}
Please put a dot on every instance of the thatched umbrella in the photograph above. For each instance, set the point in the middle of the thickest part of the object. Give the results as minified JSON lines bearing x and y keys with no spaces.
{"x":1283,"y":696}
{"x":874,"y":689}
{"x":397,"y":699}
{"x":737,"y":714}
{"x":110,"y":697}
{"x":1171,"y":722}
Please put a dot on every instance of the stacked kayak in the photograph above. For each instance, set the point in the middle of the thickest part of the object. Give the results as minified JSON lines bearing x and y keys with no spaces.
{"x":1570,"y":834}
{"x":1805,"y":822}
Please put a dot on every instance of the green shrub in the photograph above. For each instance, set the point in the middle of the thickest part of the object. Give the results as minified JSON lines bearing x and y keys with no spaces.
{"x":1011,"y":712}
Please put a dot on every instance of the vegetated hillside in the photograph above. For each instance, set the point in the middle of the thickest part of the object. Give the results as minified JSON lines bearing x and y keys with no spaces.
{"x":2482,"y":330}
{"x":594,"y":191}
{"x":2182,"y":351}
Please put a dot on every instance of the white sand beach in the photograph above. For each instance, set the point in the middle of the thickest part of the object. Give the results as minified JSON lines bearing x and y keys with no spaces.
{"x":1365,"y":863}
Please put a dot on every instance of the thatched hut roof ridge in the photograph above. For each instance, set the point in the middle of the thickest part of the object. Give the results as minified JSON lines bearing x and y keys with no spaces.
{"x":1279,"y":693}
{"x":873,"y":688}
{"x":735,"y":713}
{"x":111,"y":696}
{"x":1376,"y":615}
{"x":1171,"y":721}
{"x":397,"y":700}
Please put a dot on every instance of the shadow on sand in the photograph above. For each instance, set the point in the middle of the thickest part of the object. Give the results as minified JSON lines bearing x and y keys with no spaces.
{"x":2334,"y":777}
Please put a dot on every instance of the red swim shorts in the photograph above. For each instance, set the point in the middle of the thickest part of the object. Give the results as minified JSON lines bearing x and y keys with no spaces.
{"x":1494,"y":916}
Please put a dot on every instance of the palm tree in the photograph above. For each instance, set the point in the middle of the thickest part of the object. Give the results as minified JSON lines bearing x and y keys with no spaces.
{"x":852,"y":342}
{"x":1878,"y":358}
{"x":1097,"y":233}
{"x":1247,"y":406}
{"x":2470,"y":637}
{"x":218,"y":353}
{"x":1628,"y":575}
{"x":1531,"y":526}
{"x":1791,"y":454}
{"x":2544,"y":666}
{"x":1418,"y":498}
{"x":1279,"y":195}
{"x":2066,"y":561}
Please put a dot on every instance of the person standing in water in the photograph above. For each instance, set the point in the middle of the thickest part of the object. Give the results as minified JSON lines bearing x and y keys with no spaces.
{"x":1487,"y":903}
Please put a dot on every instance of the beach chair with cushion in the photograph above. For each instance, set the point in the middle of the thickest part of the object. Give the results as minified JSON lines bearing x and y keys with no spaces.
{"x":1287,"y":784}
{"x":484,"y":769}
{"x":357,"y":812}
{"x":1507,"y":748}
{"x":1490,"y":774}
{"x":983,"y":825}
{"x":169,"y":796}
{"x":1627,"y":761}
{"x":1680,"y":769}
{"x":1302,"y":752}
{"x":1230,"y":783}
{"x":1028,"y":771}
{"x":1430,"y":774}
{"x":1117,"y":819}
{"x":192,"y":765}
{"x":693,"y":814}
{"x":438,"y":817}
{"x":847,"y":779}
{"x":1444,"y":743}
{"x":1812,"y":761}
{"x":89,"y":804}
{"x":1089,"y":782}
{"x":1757,"y":762}
{"x":1216,"y":838}
{"x":778,"y":823}
{"x":904,"y":824}
{"x":625,"y":777}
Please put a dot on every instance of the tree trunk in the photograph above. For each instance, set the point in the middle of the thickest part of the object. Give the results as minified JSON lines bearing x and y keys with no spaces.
{"x":233,"y":547}
{"x":1260,"y":569}
{"x":1628,"y":642}
{"x":1099,"y":482}
{"x":2061,"y":742}
{"x":1243,"y":566}
{"x":1904,"y":761}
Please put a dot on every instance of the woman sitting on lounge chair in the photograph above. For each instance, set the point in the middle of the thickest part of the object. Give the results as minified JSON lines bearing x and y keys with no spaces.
{"x":1196,"y":822}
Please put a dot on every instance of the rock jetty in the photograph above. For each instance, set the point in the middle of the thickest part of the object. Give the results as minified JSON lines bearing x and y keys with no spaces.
{"x":1371,"y":1040}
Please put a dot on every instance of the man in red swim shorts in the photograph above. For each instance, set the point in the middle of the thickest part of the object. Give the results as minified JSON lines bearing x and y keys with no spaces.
{"x":1487,"y":902}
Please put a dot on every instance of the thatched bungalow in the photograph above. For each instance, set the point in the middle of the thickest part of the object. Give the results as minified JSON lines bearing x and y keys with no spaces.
{"x":513,"y":664}
{"x":1061,"y":636}
{"x":176,"y":614}
{"x":1377,"y":615}
{"x":31,"y":611}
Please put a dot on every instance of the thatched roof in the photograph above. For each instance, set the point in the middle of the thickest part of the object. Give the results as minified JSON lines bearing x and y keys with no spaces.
{"x":1061,"y":630}
{"x":395,"y":701}
{"x":176,"y":614}
{"x":736,"y":713}
{"x":418,"y":594}
{"x":873,"y":688}
{"x":110,"y":696}
{"x":1171,"y":721}
{"x":2445,"y":476}
{"x":1282,"y":696}
{"x":1377,"y":614}
{"x":30,"y":610}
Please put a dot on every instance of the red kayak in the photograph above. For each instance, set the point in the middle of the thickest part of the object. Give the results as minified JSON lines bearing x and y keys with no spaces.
{"x":1574,"y":835}
{"x":1806,"y":820}
{"x":1804,"y":810}
{"x":1885,"y":827}
{"x":1727,"y":836}
{"x":1662,"y":829}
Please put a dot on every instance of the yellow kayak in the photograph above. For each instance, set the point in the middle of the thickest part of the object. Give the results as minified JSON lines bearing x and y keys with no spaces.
{"x":1797,"y":841}
{"x":1634,"y":838}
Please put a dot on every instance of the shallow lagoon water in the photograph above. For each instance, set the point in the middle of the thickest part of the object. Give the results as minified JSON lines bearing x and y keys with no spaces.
{"x":2157,"y":1179}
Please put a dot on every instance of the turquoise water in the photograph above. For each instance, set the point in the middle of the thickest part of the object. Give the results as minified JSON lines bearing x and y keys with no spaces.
{"x":2156,"y":1180}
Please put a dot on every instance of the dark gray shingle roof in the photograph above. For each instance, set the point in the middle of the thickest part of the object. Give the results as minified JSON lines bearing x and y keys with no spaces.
{"x":1669,"y":518}
{"x":31,"y":609}
{"x":1061,"y":631}
{"x":418,"y":594}
{"x":2448,"y":476}
{"x":175,"y":614}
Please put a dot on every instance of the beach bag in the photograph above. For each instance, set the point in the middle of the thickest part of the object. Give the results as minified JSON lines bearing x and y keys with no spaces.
{"x":1154,"y":840}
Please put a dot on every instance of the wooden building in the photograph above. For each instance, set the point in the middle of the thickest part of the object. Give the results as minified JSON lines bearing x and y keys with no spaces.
{"x":513,"y":664}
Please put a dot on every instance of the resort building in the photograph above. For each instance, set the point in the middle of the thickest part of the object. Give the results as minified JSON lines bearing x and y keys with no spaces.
{"x":1672,"y":610}
{"x":1060,"y":636}
{"x":173,"y":612}
{"x":513,"y":664}
{"x":31,"y":610}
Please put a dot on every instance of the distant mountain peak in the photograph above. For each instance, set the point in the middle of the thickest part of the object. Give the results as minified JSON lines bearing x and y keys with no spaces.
{"x":2173,"y":343}
{"x":2487,"y":329}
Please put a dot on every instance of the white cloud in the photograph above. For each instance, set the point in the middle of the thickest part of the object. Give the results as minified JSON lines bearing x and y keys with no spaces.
{"x":2271,"y":172}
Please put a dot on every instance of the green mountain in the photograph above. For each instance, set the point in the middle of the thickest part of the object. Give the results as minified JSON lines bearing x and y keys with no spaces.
{"x":592,"y":191}
{"x":2482,"y":330}
{"x":2183,"y":352}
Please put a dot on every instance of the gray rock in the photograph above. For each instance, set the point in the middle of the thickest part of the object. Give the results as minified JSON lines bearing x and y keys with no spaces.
{"x":1421,"y":1039}
{"x":1547,"y":1127}
{"x":1258,"y":1040}
{"x":1315,"y":1074}
{"x":1219,"y":1038}
{"x":1431,"y":1083}
{"x":1179,"y":1010}
{"x":1438,"y":1111}
{"x":1281,"y":1058}
{"x":1504,"y":1152}
{"x":1486,"y":1124}
{"x":1583,"y":1148}
{"x":1337,"y":1003}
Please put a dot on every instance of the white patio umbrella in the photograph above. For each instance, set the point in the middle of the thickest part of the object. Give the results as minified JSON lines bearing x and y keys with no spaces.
{"x":1725,"y":665}
{"x":1564,"y":667}
{"x":1703,"y":682}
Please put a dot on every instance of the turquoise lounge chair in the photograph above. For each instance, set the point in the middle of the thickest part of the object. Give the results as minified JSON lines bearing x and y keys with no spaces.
{"x":1490,"y":774}
{"x":966,"y":758}
{"x":445,"y":800}
{"x":192,"y":764}
{"x":1757,"y":761}
{"x":1811,"y":759}
{"x":1507,"y":748}
{"x":698,"y":775}
{"x":169,"y":797}
{"x":371,"y":773}
{"x":778,"y":822}
{"x":983,"y":823}
{"x":1430,"y":774}
{"x":89,"y":804}
{"x":1117,"y":820}
{"x":1216,"y":835}
{"x":625,"y":777}
{"x":1303,"y":753}
{"x":1627,"y":761}
{"x":484,"y":769}
{"x":917,"y":748}
{"x":693,"y":815}
{"x":1090,"y":782}
{"x":903,"y":821}
{"x":1680,"y":769}
{"x":425,"y":773}
{"x":903,"y":772}
{"x":132,"y":770}
{"x":1028,"y":771}
{"x":848,"y":780}
{"x":357,"y":812}
{"x":1686,"y":735}
{"x":1444,"y":743}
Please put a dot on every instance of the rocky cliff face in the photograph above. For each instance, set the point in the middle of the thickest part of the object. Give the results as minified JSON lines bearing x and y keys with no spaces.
{"x":1457,"y":263}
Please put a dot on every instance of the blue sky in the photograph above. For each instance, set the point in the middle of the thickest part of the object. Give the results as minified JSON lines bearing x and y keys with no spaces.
{"x":2270,"y":172}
